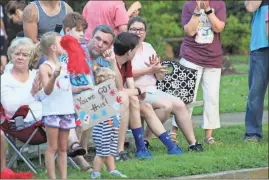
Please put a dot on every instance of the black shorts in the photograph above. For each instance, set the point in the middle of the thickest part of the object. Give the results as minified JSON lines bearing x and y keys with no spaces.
{"x":3,"y":46}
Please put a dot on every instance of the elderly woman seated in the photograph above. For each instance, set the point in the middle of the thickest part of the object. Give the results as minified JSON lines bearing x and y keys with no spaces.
{"x":19,"y":85}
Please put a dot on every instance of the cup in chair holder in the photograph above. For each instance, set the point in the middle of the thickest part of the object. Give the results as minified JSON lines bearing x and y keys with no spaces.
{"x":19,"y":122}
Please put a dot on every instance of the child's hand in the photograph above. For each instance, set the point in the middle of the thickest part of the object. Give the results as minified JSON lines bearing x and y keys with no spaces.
{"x":57,"y":72}
{"x":88,"y":87}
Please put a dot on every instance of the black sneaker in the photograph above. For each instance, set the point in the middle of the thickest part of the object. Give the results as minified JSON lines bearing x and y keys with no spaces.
{"x":197,"y":147}
{"x":146,"y":142}
{"x":123,"y":156}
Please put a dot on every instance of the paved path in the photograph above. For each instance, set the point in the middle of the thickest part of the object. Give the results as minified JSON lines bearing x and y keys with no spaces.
{"x":256,"y":173}
{"x":225,"y":119}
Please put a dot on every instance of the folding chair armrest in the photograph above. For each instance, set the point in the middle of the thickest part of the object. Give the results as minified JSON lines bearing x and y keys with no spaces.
{"x":22,"y":111}
{"x":32,"y":113}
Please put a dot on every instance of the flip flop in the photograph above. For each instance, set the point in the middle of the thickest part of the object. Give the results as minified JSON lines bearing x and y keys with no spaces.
{"x":77,"y":151}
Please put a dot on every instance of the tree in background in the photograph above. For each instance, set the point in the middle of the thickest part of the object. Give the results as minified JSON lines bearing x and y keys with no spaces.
{"x":164,"y":19}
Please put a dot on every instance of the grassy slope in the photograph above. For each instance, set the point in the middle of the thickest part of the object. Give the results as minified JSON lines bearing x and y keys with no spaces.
{"x":230,"y":154}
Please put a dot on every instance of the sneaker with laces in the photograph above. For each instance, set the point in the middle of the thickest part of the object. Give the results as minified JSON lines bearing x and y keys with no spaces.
{"x":143,"y":154}
{"x":117,"y":173}
{"x":176,"y":150}
{"x":96,"y":175}
{"x":123,"y":156}
{"x":196,"y":147}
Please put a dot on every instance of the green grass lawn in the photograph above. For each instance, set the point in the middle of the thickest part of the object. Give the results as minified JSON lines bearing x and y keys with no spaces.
{"x":239,"y":59}
{"x":231,"y":153}
{"x":241,"y":67}
{"x":233,"y":89}
{"x":233,"y":94}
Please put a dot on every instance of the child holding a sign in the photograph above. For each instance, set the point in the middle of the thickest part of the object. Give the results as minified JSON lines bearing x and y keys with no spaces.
{"x":75,"y":25}
{"x":57,"y":102}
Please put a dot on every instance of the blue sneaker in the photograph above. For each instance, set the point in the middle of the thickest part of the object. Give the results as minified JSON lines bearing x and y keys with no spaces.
{"x":96,"y":175}
{"x":143,"y":154}
{"x":176,"y":150}
{"x":117,"y":173}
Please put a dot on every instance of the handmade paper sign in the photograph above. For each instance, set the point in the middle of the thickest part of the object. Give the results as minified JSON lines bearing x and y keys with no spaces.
{"x":95,"y":106}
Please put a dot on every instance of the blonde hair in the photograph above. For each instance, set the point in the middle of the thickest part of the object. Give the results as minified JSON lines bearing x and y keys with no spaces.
{"x":35,"y":56}
{"x":24,"y":42}
{"x":47,"y":40}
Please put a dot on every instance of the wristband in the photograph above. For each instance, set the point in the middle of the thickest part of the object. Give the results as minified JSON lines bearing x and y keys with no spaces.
{"x":196,"y":14}
{"x":208,"y":12}
{"x":139,"y":91}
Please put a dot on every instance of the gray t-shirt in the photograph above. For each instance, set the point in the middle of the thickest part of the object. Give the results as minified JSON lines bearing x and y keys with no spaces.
{"x":47,"y":23}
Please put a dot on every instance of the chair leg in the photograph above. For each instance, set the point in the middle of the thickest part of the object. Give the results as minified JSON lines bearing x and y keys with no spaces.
{"x":70,"y":160}
{"x":73,"y":163}
{"x":39,"y":155}
{"x":29,"y":164}
{"x":15,"y":157}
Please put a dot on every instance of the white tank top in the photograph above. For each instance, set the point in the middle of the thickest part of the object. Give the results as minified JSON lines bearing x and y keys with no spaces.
{"x":60,"y":101}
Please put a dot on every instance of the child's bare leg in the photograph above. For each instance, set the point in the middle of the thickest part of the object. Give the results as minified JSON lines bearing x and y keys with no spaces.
{"x":52,"y":141}
{"x":98,"y":163}
{"x":110,"y":163}
{"x":111,"y":167}
{"x":62,"y":153}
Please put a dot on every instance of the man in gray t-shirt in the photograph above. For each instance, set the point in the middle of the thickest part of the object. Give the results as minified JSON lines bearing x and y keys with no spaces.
{"x":40,"y":17}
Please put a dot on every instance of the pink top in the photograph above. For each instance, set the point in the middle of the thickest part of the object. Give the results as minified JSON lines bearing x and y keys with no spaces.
{"x":112,"y":13}
{"x":147,"y":81}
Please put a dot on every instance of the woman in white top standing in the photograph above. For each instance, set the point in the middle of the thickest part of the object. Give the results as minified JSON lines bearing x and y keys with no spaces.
{"x":58,"y":106}
{"x":19,"y":84}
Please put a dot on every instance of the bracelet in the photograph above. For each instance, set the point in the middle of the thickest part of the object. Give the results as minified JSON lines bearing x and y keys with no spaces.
{"x":208,"y":12}
{"x":139,"y":91}
{"x":196,"y":14}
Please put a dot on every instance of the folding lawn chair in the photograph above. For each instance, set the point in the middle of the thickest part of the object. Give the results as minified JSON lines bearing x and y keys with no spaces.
{"x":32,"y":135}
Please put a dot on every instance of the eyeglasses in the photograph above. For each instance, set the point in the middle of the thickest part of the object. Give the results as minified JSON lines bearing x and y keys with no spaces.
{"x":135,"y":30}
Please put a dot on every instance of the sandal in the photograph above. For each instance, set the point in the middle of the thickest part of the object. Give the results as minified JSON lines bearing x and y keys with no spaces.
{"x":77,"y":151}
{"x":173,"y":137}
{"x":210,"y":140}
